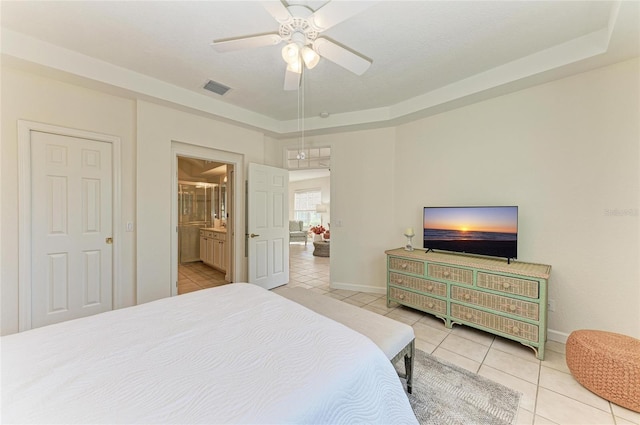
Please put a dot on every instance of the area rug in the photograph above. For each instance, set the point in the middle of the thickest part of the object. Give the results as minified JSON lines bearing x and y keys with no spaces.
{"x":447,"y":394}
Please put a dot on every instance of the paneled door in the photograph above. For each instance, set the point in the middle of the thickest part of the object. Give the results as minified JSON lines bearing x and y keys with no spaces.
{"x":71,"y":227}
{"x":268,"y":225}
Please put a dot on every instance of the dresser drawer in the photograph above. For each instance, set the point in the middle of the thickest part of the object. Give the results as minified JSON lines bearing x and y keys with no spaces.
{"x":452,"y":274}
{"x":509,"y":285}
{"x":496,"y":322}
{"x":418,"y":284}
{"x":511,"y":306}
{"x":418,"y":301}
{"x":408,"y":266}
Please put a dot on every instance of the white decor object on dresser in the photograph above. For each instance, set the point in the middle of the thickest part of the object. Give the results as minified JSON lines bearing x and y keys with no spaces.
{"x":505,"y":299}
{"x":409,"y":233}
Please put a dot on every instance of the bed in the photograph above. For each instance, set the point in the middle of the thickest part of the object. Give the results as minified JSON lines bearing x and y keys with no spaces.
{"x":231,"y":354}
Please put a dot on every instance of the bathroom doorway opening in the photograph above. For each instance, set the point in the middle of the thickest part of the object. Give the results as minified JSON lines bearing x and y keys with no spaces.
{"x":203,"y":254}
{"x":204,"y":218}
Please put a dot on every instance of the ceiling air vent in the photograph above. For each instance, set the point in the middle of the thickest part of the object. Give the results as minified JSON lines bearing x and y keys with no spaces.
{"x":217,"y":88}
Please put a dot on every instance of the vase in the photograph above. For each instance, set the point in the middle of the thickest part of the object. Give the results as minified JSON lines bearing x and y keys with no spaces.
{"x":317,"y":237}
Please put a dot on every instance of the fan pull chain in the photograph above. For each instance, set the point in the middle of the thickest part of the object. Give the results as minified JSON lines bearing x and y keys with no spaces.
{"x":300,"y":111}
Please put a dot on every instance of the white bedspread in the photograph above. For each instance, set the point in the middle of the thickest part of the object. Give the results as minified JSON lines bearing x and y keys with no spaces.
{"x":232,"y":354}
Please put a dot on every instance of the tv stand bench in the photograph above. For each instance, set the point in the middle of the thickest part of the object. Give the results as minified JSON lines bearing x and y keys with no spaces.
{"x":505,"y":299}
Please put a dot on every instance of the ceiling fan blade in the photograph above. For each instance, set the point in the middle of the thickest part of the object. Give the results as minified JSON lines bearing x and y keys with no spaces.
{"x":341,"y":56}
{"x":292,"y":79}
{"x":335,"y":12}
{"x":277,"y":10}
{"x":239,"y":43}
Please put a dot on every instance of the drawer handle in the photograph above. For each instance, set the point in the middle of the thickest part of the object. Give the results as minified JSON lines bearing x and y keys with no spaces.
{"x":399,"y":281}
{"x":430,"y":305}
{"x":469,"y":316}
{"x":505,"y":285}
{"x":430,"y":288}
{"x":515,"y":330}
{"x":404,"y":265}
{"x":467,"y":297}
{"x":401,"y":296}
{"x":446,"y":274}
{"x":513,"y":307}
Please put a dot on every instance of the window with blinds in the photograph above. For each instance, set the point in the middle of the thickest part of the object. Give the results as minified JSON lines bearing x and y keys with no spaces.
{"x":305,"y":207}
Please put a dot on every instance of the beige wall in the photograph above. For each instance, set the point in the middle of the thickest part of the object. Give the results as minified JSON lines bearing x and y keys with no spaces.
{"x":158,"y":127}
{"x":34,"y":98}
{"x":566,"y":153}
{"x":146,"y":132}
{"x":362,"y":164}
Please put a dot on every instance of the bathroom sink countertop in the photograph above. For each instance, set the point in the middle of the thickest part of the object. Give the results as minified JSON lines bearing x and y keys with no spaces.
{"x":215,"y":229}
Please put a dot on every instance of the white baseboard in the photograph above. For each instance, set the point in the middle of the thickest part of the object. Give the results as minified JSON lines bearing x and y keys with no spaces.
{"x":359,"y":288}
{"x":557,"y":336}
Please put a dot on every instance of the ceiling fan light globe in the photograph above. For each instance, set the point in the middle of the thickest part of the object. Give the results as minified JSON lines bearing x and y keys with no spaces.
{"x":310,"y":57}
{"x":291,"y":53}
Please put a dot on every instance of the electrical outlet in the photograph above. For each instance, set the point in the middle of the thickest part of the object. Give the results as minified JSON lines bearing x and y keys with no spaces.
{"x":551,"y":305}
{"x":129,"y":226}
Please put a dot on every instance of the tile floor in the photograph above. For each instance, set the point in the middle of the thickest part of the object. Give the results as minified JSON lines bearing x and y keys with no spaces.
{"x":196,"y":276}
{"x":550,"y":395}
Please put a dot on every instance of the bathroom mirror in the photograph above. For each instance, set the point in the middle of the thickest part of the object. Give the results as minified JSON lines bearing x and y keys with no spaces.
{"x":223,"y":201}
{"x":215,"y":202}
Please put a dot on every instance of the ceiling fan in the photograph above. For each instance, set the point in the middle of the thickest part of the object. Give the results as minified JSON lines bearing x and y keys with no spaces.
{"x":300,"y":27}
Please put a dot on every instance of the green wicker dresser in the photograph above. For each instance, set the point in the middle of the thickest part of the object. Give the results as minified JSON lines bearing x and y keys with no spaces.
{"x":509,"y":300}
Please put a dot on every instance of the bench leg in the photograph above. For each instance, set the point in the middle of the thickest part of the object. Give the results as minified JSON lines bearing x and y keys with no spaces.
{"x":408,"y":366}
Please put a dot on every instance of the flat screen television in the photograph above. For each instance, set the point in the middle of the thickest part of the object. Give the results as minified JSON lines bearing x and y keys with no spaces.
{"x":491,"y":231}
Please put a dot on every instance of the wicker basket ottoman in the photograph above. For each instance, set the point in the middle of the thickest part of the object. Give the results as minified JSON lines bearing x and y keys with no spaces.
{"x":321,"y":249}
{"x":607,"y":364}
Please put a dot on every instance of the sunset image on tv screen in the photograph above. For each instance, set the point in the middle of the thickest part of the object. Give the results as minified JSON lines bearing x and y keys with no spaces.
{"x":480,"y":230}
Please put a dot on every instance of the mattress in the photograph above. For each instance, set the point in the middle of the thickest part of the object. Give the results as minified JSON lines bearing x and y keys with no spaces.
{"x":231,"y":354}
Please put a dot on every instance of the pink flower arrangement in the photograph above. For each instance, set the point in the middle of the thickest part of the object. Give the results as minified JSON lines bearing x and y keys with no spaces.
{"x":318,"y":230}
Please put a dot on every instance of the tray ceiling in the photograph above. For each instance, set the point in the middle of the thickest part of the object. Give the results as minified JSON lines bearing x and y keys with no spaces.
{"x":428,"y":56}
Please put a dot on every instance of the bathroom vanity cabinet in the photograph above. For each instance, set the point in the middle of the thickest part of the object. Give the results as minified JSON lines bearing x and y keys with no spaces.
{"x":213,"y":249}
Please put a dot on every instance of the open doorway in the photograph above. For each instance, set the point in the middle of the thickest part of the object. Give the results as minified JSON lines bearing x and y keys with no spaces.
{"x":310,"y":204}
{"x":203,"y":215}
{"x":210,"y":159}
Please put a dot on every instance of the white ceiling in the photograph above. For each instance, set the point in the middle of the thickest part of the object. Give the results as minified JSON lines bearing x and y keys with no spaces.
{"x":428,"y":56}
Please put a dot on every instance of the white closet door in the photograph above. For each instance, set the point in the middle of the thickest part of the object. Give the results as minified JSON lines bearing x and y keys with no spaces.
{"x":71,"y":228}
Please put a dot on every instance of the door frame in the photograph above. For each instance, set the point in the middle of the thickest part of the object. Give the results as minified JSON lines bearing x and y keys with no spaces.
{"x":236,"y":229}
{"x":24,"y":210}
